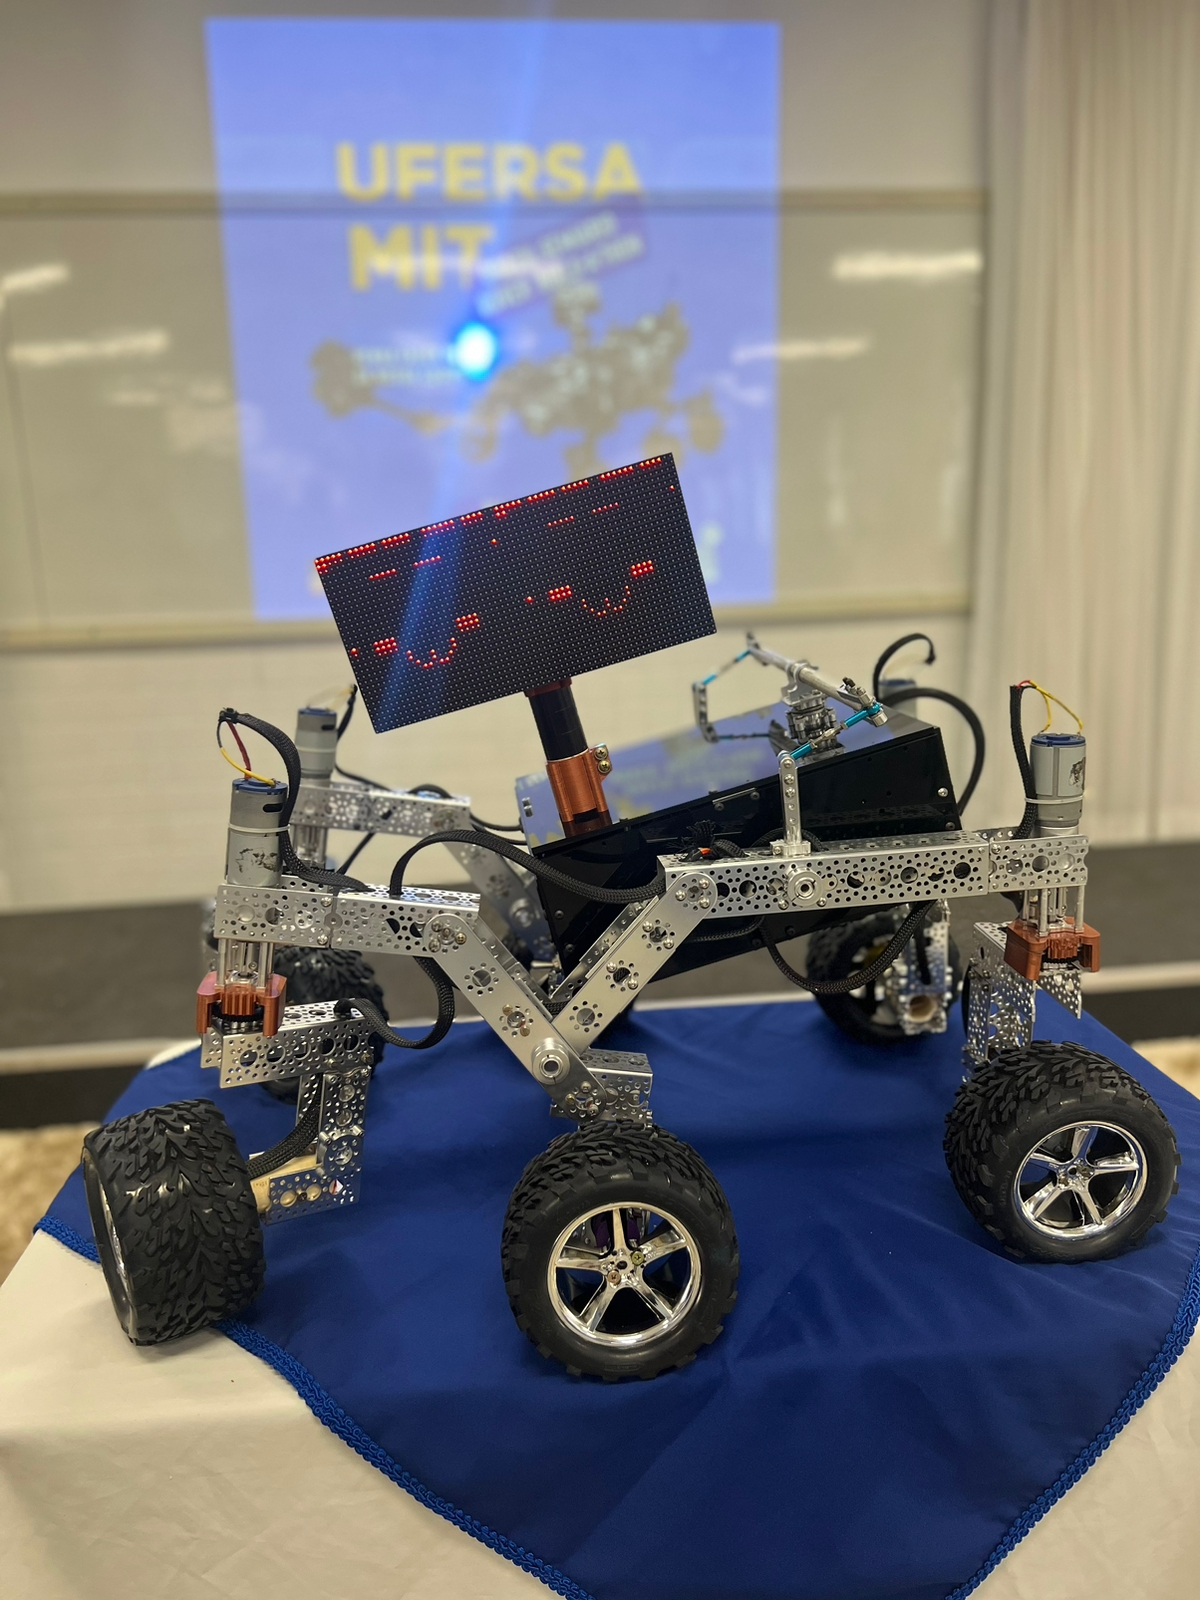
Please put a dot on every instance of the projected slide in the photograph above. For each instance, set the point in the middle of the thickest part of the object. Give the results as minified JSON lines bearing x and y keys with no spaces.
{"x":466,"y":259}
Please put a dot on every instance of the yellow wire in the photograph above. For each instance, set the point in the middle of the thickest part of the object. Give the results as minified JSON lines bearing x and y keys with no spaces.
{"x":245,"y":771}
{"x":1046,"y":699}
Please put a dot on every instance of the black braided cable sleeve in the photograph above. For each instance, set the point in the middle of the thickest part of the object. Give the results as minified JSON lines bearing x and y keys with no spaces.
{"x":295,"y":1144}
{"x":855,"y":980}
{"x":378,"y":1023}
{"x":898,"y":644}
{"x":289,"y":861}
{"x":969,"y":717}
{"x":540,"y":869}
{"x":1024,"y":828}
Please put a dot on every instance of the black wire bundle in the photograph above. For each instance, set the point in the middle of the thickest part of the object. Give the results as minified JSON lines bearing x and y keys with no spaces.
{"x":855,"y":980}
{"x":917,"y":692}
{"x":289,"y":861}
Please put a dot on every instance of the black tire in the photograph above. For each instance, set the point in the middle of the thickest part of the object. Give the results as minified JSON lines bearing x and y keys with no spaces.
{"x":314,"y":975}
{"x":1029,"y":1100}
{"x":175,"y":1220}
{"x":652,"y":1184}
{"x":849,"y":947}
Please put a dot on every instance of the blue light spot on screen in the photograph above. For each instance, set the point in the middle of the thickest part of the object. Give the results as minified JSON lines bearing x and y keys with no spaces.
{"x":474,"y":349}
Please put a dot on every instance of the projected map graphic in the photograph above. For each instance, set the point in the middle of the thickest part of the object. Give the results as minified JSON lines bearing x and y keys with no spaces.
{"x":466,"y":258}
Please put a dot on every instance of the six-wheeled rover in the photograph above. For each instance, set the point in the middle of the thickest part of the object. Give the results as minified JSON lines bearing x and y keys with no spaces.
{"x":831,"y":814}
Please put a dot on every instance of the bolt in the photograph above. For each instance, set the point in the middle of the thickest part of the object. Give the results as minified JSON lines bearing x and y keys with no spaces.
{"x":323,"y":939}
{"x":313,"y":1192}
{"x":681,"y":894}
{"x":460,"y":937}
{"x":288,"y":1198}
{"x":611,"y":967}
{"x":632,"y":983}
{"x":943,"y":794}
{"x":647,"y":927}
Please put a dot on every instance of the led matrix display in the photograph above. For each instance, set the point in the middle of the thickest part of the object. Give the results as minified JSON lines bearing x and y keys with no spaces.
{"x":519,"y":595}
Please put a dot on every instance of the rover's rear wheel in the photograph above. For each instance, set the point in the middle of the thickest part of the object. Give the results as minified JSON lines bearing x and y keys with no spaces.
{"x":1060,"y":1154}
{"x":175,"y":1221}
{"x":619,"y":1252}
{"x":865,"y":1013}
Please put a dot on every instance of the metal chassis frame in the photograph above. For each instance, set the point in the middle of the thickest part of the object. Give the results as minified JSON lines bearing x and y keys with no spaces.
{"x":409,"y":814}
{"x":551,"y":1035}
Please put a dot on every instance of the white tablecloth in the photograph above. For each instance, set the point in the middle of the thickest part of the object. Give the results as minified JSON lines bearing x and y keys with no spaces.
{"x":195,"y":1472}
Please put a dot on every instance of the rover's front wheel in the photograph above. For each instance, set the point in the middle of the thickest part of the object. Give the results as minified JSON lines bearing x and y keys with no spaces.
{"x":1060,"y":1154}
{"x":619,"y":1252}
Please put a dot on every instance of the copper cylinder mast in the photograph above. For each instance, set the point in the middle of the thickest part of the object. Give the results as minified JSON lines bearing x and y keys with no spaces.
{"x":576,"y":769}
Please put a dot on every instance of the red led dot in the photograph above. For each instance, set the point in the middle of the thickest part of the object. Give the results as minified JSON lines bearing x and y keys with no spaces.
{"x":390,"y":573}
{"x":471,"y":620}
{"x":528,"y":599}
{"x":385,"y":647}
{"x":361,"y":549}
{"x":611,"y":506}
{"x":642,"y":569}
{"x":435,"y":660}
{"x":427,"y":562}
{"x":558,"y":522}
{"x":563,"y":592}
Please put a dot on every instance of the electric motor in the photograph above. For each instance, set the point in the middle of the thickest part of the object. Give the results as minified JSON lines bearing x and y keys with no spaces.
{"x":1058,"y":761}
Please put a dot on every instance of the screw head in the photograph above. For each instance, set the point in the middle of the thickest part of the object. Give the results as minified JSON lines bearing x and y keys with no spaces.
{"x":943,"y":794}
{"x":313,"y":1192}
{"x":288,"y":1198}
{"x":681,"y":894}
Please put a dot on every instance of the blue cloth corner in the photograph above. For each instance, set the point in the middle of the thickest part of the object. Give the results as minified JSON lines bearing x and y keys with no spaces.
{"x":893,"y":1402}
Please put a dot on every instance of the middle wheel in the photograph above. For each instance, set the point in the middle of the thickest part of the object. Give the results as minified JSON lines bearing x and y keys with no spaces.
{"x":619,"y":1252}
{"x":868,"y":1014}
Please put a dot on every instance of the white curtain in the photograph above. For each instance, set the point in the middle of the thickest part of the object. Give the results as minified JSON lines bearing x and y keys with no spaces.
{"x":1088,"y":560}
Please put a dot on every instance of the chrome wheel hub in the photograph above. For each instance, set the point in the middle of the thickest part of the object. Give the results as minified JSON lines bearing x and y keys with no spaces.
{"x":1081,"y":1180}
{"x":623,"y":1276}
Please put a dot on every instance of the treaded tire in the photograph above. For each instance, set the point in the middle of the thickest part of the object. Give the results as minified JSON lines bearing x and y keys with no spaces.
{"x":836,"y":952}
{"x":612,"y":1165}
{"x":1015,"y":1102}
{"x":314,"y":975}
{"x":175,"y":1220}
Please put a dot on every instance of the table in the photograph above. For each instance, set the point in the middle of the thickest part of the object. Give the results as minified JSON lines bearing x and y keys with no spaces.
{"x":196,"y":1470}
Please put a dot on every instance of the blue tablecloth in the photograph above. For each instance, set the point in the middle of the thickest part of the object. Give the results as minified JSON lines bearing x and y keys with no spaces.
{"x":892,"y":1404}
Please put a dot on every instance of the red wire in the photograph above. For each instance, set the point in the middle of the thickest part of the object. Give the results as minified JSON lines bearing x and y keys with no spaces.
{"x":237,"y":739}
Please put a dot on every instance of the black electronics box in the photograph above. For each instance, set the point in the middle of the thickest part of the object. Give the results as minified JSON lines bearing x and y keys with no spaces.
{"x":897,"y":785}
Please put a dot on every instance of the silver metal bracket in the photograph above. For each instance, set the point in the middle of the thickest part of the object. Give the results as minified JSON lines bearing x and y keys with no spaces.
{"x":332,"y":1055}
{"x":310,"y":1038}
{"x":793,"y":844}
{"x":354,"y":809}
{"x":412,"y":815}
{"x":1003,"y":1003}
{"x":921,"y":1006}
